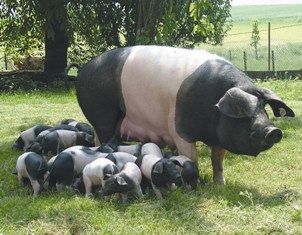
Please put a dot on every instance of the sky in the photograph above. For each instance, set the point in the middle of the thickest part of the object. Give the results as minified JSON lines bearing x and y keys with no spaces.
{"x":264,"y":2}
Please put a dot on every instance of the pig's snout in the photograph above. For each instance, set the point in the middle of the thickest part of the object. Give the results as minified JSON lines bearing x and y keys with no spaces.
{"x":273,"y":135}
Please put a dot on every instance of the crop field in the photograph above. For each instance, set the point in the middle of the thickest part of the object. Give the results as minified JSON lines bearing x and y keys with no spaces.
{"x":261,"y":195}
{"x":286,"y":34}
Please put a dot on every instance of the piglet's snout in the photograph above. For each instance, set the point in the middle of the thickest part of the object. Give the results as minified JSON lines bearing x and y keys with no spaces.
{"x":273,"y":135}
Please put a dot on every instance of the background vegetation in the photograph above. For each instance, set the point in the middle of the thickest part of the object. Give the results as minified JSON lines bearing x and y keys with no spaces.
{"x":262,"y":194}
{"x":286,"y":34}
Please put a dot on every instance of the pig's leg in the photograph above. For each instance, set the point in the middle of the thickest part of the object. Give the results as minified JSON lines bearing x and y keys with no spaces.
{"x":36,"y":187}
{"x":88,"y":186}
{"x":124,"y":198}
{"x":217,"y":156}
{"x":157,"y":192}
{"x":138,"y":191}
{"x":183,"y":147}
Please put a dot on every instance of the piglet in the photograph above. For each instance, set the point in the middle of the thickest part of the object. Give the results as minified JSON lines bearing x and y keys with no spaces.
{"x":27,"y":137}
{"x":120,"y":159}
{"x":160,"y":171}
{"x":151,"y":148}
{"x":31,"y":166}
{"x":96,"y":173}
{"x":125,"y":182}
{"x":188,"y":170}
{"x":81,"y":126}
{"x":36,"y":145}
{"x":70,"y":164}
{"x":56,"y":141}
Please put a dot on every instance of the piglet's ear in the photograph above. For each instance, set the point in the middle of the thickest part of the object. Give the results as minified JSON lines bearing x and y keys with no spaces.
{"x":159,"y":168}
{"x":279,"y":108}
{"x":237,"y":103}
{"x":107,"y":176}
{"x":177,"y":163}
{"x":88,"y":138}
{"x":121,"y":180}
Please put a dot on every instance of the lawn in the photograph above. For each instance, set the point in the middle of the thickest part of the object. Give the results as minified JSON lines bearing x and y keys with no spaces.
{"x":262,"y":195}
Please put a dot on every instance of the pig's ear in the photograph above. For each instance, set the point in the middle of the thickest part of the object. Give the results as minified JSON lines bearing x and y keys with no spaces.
{"x":107,"y":176}
{"x":121,"y":180}
{"x":159,"y":168}
{"x":89,"y":138}
{"x":237,"y":103}
{"x":279,"y":108}
{"x":177,"y":163}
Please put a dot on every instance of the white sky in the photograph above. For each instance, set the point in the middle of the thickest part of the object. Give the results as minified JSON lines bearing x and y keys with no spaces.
{"x":264,"y":2}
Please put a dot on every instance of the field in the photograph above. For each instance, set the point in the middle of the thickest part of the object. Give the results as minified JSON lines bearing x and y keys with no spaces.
{"x":262,"y":195}
{"x":286,"y":34}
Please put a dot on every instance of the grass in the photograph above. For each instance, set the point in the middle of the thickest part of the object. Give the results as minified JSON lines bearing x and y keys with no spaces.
{"x":286,"y":34}
{"x":262,"y":195}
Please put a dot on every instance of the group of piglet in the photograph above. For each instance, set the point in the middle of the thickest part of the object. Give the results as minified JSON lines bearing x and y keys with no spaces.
{"x":65,"y":156}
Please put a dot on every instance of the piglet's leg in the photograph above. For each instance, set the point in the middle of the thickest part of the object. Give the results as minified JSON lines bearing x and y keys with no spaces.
{"x":138,"y":191}
{"x":88,"y":186}
{"x":157,"y":192}
{"x":217,"y":157}
{"x":36,"y":187}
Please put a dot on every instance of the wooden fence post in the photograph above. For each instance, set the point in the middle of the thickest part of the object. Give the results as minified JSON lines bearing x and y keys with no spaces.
{"x":269,"y":47}
{"x":244,"y":61}
{"x":5,"y":61}
{"x":230,"y":55}
{"x":273,"y":60}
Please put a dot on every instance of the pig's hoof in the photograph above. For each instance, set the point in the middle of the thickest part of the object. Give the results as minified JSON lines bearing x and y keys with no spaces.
{"x":219,"y":180}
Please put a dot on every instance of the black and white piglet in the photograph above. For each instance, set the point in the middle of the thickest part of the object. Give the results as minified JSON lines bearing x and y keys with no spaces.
{"x":125,"y":182}
{"x":160,"y":171}
{"x":81,"y":126}
{"x":188,"y":170}
{"x":36,"y":145}
{"x":57,"y":141}
{"x":120,"y":159}
{"x":70,"y":164}
{"x":27,"y":137}
{"x":32,"y":167}
{"x":151,"y":148}
{"x":96,"y":173}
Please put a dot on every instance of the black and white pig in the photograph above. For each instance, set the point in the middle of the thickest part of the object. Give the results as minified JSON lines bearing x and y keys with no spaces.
{"x":31,"y":166}
{"x":151,"y":148}
{"x":69,"y":164}
{"x":27,"y":137}
{"x":56,"y":141}
{"x":178,"y":96}
{"x":161,"y":172}
{"x":125,"y":182}
{"x":121,"y":158}
{"x":96,"y":173}
{"x":81,"y":126}
{"x":188,"y":170}
{"x":36,"y":145}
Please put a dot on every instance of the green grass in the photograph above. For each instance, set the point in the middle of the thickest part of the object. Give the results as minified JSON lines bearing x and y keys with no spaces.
{"x":285,"y":40}
{"x":262,"y":195}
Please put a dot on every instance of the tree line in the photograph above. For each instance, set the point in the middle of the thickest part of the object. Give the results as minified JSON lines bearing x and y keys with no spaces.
{"x":90,"y":27}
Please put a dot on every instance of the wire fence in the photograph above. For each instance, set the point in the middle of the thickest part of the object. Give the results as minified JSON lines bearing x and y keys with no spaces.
{"x":281,"y":51}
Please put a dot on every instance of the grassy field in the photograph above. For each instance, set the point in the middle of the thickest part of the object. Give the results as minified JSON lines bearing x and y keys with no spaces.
{"x":286,"y":34}
{"x":262,"y":195}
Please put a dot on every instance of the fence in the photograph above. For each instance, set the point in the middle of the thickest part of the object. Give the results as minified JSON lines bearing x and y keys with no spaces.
{"x":279,"y":52}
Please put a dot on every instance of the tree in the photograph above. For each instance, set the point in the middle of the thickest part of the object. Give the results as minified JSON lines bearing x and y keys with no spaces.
{"x":255,"y":38}
{"x":89,"y":27}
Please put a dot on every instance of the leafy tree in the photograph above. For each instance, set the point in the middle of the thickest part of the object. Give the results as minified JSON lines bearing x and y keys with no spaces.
{"x":88,"y":27}
{"x":255,"y":38}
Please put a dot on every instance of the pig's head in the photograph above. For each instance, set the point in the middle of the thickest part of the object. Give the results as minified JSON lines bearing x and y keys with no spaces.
{"x":35,"y":147}
{"x":243,"y":126}
{"x":164,"y":172}
{"x":190,"y":174}
{"x":19,"y":144}
{"x":85,"y":139}
{"x":119,"y":183}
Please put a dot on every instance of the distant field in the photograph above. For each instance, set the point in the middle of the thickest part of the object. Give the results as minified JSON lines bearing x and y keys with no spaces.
{"x":286,"y":34}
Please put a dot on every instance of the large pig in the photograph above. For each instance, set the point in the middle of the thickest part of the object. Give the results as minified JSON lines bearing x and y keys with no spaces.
{"x":177,"y":97}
